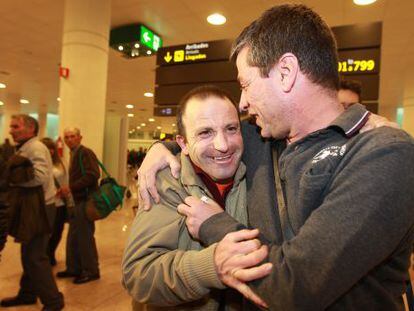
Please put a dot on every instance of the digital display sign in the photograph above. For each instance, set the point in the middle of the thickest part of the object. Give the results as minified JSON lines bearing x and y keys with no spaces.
{"x":359,"y":61}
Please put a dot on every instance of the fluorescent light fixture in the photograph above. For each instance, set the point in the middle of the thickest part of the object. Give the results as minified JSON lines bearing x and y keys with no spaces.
{"x":148,"y":94}
{"x":24,"y":101}
{"x":2,"y":86}
{"x":364,"y":2}
{"x":120,"y":48}
{"x":1,"y":103}
{"x":130,"y":115}
{"x":216,"y":19}
{"x":151,"y":119}
{"x":143,"y":124}
{"x":136,"y":45}
{"x":129,"y":106}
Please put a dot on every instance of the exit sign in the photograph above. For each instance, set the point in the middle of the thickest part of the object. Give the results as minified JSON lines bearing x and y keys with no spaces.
{"x":150,"y":39}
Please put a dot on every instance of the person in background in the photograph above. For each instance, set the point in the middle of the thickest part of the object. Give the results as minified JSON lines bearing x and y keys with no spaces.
{"x":61,"y":180}
{"x":4,"y":206}
{"x":349,"y":93}
{"x":32,"y":200}
{"x":81,"y":252}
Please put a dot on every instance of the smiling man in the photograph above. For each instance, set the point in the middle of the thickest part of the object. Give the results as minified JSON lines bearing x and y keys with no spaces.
{"x":163,"y":265}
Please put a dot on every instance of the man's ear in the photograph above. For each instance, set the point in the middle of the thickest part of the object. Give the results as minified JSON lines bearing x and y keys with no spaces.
{"x":287,"y":71}
{"x":181,"y":142}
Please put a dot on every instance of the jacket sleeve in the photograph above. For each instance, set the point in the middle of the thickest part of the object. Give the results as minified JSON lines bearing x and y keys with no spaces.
{"x":38,"y":156}
{"x":155,"y":270}
{"x":91,"y":176}
{"x":350,"y":234}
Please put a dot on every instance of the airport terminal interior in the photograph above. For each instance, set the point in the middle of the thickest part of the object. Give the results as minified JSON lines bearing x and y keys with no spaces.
{"x":106,"y":66}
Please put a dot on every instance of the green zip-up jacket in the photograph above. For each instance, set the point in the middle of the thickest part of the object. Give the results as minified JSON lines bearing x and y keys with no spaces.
{"x":162,"y":265}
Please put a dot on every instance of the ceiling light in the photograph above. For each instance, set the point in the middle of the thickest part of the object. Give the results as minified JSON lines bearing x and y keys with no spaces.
{"x":216,"y":19}
{"x":1,"y":103}
{"x":364,"y":2}
{"x":173,"y":124}
{"x":2,"y":86}
{"x":138,"y":127}
{"x":58,"y":99}
{"x":130,"y":115}
{"x":120,"y":47}
{"x":159,"y":127}
{"x":143,"y":124}
{"x":24,"y":101}
{"x":148,"y":94}
{"x":129,"y":106}
{"x":149,"y":52}
{"x":151,"y":119}
{"x":136,"y":45}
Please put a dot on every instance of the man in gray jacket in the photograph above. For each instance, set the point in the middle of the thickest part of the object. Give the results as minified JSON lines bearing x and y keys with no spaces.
{"x":37,"y":279}
{"x":342,"y":233}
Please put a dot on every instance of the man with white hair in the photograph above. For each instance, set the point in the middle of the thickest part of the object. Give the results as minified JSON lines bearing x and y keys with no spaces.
{"x":82,"y":255}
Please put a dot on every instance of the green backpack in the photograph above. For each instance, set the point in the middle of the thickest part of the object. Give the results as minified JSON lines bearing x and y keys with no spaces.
{"x":106,"y":199}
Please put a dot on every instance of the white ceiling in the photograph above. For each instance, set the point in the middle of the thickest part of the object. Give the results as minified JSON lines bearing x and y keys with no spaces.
{"x":31,"y":37}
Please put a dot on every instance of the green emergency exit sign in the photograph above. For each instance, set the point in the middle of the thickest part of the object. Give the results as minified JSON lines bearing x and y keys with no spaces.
{"x":150,"y":39}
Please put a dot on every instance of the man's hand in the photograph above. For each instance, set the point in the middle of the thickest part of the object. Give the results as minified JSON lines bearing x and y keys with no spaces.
{"x":237,"y":258}
{"x":197,"y":211}
{"x":157,"y":158}
{"x":63,"y":192}
{"x":375,"y":121}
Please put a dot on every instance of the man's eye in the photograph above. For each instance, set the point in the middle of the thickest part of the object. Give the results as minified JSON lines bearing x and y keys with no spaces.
{"x":232,"y":129}
{"x":205,"y":134}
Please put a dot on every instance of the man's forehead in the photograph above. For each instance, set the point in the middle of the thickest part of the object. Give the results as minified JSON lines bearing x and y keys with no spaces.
{"x":70,"y":133}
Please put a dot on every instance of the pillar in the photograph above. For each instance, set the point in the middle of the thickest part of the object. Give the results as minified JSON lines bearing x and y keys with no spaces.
{"x":85,"y":47}
{"x":115,"y":146}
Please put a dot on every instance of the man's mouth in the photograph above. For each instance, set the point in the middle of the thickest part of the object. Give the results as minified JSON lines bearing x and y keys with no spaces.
{"x":222,"y":159}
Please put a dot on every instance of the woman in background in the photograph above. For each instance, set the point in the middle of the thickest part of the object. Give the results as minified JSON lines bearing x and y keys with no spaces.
{"x":61,"y":179}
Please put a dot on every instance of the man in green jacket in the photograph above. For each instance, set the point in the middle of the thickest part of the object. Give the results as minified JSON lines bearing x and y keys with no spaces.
{"x":163,"y":265}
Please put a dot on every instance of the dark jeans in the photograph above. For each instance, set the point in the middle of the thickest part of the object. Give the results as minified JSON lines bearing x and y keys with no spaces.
{"x":81,"y":252}
{"x":37,"y":279}
{"x":61,"y":217}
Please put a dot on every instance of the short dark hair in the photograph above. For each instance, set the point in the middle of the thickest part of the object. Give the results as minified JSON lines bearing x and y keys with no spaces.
{"x":201,"y":92}
{"x":295,"y":29}
{"x":28,"y":121}
{"x":351,"y":85}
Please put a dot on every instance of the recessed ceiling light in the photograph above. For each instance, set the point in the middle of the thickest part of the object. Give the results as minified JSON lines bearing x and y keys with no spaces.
{"x":159,"y":127}
{"x":173,"y":124}
{"x":148,"y":94}
{"x":216,"y":19}
{"x":2,"y":86}
{"x":120,"y":47}
{"x":143,"y":124}
{"x":58,"y":99}
{"x":24,"y":101}
{"x":130,"y":115}
{"x":364,"y":2}
{"x":129,"y":106}
{"x":1,"y":103}
{"x":136,"y":45}
{"x":138,"y":127}
{"x":151,"y":119}
{"x":149,"y":52}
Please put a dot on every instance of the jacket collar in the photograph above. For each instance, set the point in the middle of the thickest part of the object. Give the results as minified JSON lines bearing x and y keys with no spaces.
{"x":352,"y":120}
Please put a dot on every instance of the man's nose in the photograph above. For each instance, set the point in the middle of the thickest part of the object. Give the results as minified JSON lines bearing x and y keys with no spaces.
{"x":220,"y":142}
{"x":243,"y":104}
